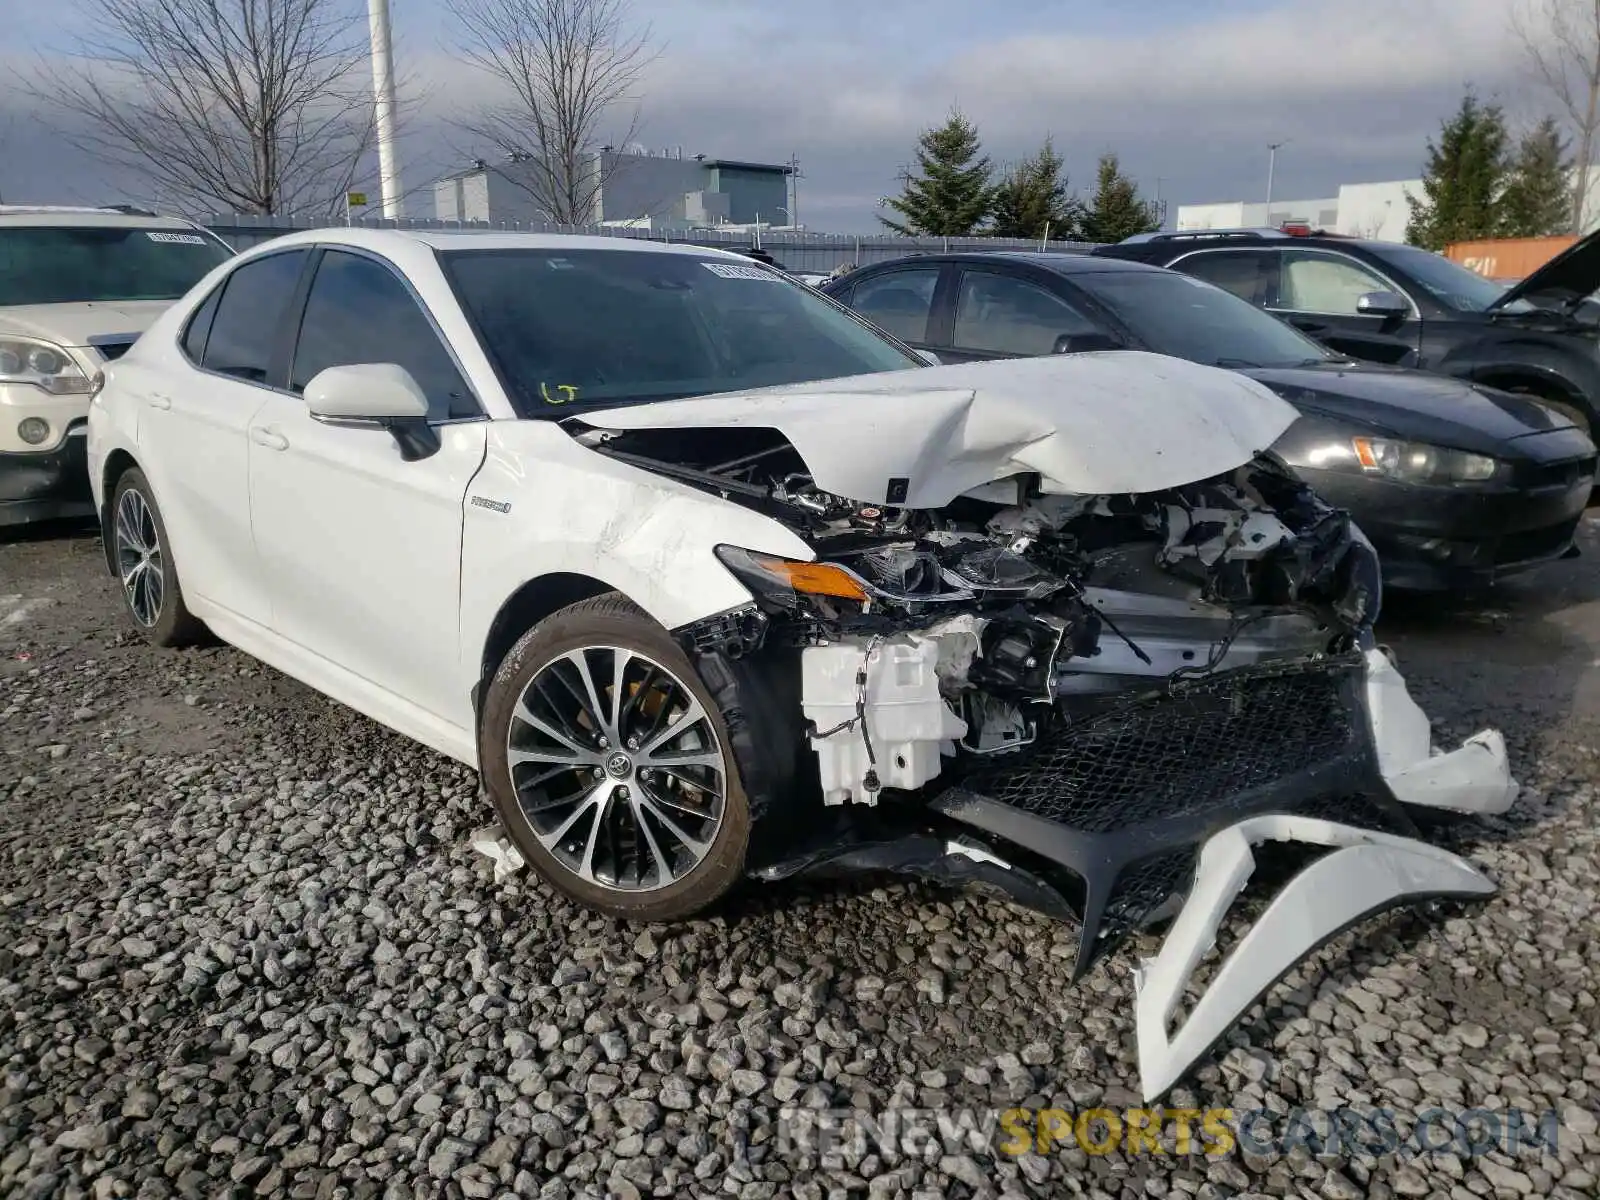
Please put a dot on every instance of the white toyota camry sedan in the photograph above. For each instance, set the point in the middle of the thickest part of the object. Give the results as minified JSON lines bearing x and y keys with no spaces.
{"x":710,"y":579}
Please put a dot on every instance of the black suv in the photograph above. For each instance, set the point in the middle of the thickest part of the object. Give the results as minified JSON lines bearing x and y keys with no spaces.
{"x":1391,"y":303}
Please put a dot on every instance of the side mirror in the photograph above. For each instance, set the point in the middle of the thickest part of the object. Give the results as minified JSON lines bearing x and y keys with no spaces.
{"x":1084,"y":343}
{"x":929,"y":357}
{"x":1382,"y":304}
{"x":366,"y":392}
{"x":381,"y":392}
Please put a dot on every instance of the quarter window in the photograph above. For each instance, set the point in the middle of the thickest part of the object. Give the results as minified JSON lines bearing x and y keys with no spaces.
{"x":194,"y":337}
{"x":1321,"y":283}
{"x":244,"y":330}
{"x":898,"y":301}
{"x":359,"y":311}
{"x":997,"y":314}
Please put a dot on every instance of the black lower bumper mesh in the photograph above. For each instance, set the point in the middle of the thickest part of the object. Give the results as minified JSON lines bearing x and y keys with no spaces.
{"x":1122,"y":800}
{"x":1187,"y":749}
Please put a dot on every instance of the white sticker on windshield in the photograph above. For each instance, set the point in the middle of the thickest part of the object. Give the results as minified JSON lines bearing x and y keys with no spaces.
{"x":182,"y":239}
{"x":735,"y":271}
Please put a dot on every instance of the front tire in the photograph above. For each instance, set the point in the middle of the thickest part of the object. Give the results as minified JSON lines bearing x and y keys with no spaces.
{"x":151,"y":593}
{"x":611,"y":767}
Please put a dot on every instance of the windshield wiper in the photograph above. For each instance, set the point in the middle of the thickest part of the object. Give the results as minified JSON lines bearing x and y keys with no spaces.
{"x":1236,"y":364}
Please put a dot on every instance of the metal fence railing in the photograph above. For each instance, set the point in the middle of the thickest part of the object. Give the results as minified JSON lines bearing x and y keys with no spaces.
{"x":819,"y":252}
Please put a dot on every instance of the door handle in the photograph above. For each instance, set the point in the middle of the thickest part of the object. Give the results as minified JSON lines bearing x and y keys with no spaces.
{"x":157,"y":400}
{"x":261,"y":435}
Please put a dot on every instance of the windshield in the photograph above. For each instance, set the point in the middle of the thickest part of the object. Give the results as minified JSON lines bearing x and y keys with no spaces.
{"x":63,"y":264}
{"x":1448,"y":282}
{"x":576,"y":329}
{"x":1189,"y":318}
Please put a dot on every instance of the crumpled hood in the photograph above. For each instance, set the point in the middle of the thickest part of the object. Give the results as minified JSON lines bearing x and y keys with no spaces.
{"x":75,"y":324}
{"x":1088,"y":424}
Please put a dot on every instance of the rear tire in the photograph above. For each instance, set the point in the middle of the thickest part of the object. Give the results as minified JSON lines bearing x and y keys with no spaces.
{"x":151,"y":593}
{"x":610,"y":765}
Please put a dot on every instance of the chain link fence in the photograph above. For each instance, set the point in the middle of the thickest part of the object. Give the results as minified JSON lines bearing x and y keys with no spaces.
{"x":807,"y":252}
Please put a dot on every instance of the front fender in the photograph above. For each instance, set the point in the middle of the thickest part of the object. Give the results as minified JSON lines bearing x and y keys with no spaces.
{"x":544,"y":505}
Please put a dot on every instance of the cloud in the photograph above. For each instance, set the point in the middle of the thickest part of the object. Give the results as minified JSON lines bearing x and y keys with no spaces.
{"x":1187,"y":94}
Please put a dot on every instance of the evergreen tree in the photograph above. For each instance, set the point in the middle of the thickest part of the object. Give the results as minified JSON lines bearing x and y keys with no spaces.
{"x":1117,"y":210}
{"x":1465,"y":175}
{"x":1537,"y":200}
{"x":1032,"y":201}
{"x":953,"y":194}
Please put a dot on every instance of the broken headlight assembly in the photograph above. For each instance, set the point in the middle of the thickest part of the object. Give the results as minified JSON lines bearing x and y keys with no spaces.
{"x":1400,"y":461}
{"x":43,"y":365}
{"x":789,"y":585}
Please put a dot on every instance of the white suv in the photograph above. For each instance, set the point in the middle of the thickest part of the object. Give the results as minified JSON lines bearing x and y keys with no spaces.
{"x":77,"y":286}
{"x":709,"y":578}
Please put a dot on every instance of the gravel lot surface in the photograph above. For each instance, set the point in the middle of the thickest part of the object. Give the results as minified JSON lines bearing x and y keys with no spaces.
{"x":246,"y":950}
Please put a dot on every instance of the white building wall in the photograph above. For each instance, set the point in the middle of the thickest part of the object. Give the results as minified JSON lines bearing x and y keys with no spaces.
{"x":1229,"y":215}
{"x":1378,"y":211}
{"x":1241,"y":214}
{"x":1370,"y":210}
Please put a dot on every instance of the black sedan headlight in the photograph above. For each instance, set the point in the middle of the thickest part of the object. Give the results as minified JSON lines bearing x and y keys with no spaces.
{"x":1399,"y":461}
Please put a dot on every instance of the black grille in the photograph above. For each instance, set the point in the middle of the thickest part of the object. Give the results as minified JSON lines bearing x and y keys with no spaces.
{"x":1143,"y":887}
{"x":1556,"y":474}
{"x":1363,"y":812}
{"x":1184,"y":750}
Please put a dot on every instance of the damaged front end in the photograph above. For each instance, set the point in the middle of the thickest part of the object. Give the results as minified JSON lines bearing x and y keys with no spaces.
{"x":1094,"y":705}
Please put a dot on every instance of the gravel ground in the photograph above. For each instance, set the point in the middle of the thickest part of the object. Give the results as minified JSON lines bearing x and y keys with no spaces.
{"x":245,"y":949}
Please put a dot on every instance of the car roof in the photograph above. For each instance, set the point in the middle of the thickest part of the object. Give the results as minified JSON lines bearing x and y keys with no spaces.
{"x":35,"y":215}
{"x":1062,"y":263}
{"x":400,"y":240}
{"x":1153,"y":245}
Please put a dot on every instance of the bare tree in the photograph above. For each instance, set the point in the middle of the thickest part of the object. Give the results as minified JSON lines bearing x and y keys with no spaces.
{"x":251,"y":106}
{"x":563,"y":66}
{"x":1562,"y":41}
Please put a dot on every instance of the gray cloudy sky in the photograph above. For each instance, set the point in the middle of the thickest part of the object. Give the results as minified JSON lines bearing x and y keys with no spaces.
{"x":1188,"y":93}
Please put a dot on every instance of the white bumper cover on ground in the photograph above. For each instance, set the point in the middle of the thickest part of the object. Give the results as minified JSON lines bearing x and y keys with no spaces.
{"x":1473,"y":778}
{"x":1364,"y":873}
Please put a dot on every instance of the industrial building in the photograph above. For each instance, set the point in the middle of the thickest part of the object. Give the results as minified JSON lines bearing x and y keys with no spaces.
{"x":1369,"y":210}
{"x":634,"y":187}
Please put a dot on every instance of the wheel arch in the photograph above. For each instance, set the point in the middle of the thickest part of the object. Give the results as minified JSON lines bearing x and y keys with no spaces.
{"x":1538,"y":381}
{"x":531,"y":603}
{"x":118,"y":463}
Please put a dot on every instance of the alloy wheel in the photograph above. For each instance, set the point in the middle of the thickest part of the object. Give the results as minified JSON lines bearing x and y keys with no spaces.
{"x":139,"y":562}
{"x":617,"y":768}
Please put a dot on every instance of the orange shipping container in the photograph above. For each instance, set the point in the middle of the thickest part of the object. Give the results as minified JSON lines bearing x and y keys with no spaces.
{"x":1507,"y":259}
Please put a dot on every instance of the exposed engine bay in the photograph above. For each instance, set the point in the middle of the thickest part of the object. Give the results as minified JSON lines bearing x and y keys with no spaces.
{"x":1096,"y":706}
{"x":968,"y":631}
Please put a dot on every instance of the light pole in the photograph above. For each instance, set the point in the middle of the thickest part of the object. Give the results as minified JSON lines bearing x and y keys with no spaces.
{"x":1272,"y":163}
{"x":383,"y":103}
